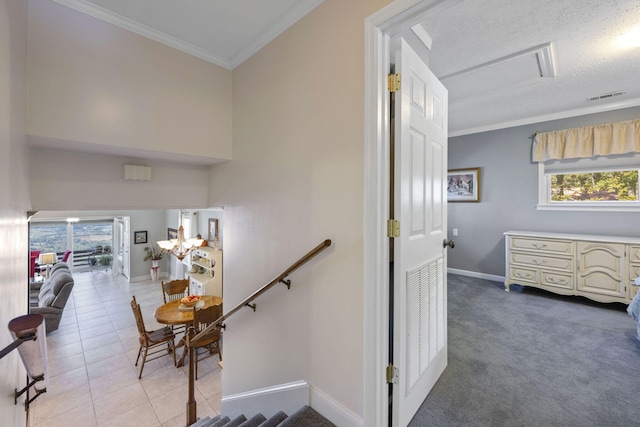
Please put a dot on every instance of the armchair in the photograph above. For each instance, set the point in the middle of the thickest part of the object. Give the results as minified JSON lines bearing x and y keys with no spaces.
{"x":53,"y":296}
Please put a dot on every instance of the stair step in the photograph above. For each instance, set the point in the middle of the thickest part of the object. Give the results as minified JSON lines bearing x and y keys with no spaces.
{"x":307,"y":417}
{"x":236,"y":421}
{"x":221,"y":422}
{"x":304,"y":417}
{"x":200,"y":422}
{"x":276,"y":419}
{"x":254,"y":421}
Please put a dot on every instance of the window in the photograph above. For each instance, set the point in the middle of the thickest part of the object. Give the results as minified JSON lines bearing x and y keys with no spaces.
{"x":79,"y":237}
{"x":599,"y":183}
{"x":48,"y":237}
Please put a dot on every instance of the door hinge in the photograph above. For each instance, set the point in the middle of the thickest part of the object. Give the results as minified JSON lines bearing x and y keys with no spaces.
{"x":393,"y":82}
{"x":392,"y":374}
{"x":393,"y":228}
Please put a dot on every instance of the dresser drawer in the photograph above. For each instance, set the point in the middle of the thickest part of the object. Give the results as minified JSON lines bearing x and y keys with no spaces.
{"x":634,"y":253}
{"x":523,"y":275}
{"x":634,"y":271}
{"x":557,"y":280}
{"x":550,"y":246}
{"x":535,"y":260}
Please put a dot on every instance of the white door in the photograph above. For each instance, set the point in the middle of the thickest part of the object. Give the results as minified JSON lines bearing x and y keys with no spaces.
{"x":420,"y":299}
{"x":126,"y":246}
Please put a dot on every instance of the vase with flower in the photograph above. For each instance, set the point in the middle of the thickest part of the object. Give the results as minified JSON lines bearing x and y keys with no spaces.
{"x":154,"y":254}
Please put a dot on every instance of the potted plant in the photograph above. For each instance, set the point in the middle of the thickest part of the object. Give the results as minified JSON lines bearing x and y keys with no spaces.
{"x":154,"y":254}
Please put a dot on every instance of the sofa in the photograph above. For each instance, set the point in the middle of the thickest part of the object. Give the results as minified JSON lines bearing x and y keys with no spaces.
{"x":51,"y":298}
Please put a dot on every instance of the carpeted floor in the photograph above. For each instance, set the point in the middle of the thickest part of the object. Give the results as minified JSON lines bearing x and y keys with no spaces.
{"x":531,"y":358}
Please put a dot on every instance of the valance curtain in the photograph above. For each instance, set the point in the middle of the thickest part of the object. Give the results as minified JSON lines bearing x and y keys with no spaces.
{"x":585,"y":142}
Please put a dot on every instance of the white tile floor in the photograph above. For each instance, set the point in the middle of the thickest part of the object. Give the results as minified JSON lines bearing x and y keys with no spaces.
{"x":92,"y":377}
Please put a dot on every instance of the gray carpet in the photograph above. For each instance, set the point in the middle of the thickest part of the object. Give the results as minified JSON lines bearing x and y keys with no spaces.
{"x":532,"y":358}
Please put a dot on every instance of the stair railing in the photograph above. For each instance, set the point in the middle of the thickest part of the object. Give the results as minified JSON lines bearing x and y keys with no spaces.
{"x":191,"y":338}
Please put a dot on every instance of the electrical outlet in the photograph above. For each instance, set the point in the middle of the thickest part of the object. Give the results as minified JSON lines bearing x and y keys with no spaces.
{"x":455,"y":232}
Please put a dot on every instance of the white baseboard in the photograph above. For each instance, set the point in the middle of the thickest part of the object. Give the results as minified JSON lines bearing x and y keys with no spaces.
{"x":476,"y":275}
{"x":267,"y":401}
{"x":147,"y":277}
{"x":332,"y":410}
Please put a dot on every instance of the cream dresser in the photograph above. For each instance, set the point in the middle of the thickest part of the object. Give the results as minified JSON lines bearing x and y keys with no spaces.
{"x":602,"y":268}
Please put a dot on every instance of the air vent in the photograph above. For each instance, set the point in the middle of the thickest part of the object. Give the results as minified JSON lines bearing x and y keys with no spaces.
{"x":607,"y":95}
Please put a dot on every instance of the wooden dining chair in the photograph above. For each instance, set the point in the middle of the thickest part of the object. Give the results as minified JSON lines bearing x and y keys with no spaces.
{"x":212,"y":341}
{"x":152,"y":341}
{"x":175,"y":289}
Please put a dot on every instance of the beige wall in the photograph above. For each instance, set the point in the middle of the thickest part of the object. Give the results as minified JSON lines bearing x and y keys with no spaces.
{"x":63,"y":180}
{"x":296,"y":179}
{"x":14,"y":198}
{"x":95,"y":83}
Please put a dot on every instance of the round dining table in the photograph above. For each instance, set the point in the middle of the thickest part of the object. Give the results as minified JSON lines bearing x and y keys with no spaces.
{"x":171,"y":314}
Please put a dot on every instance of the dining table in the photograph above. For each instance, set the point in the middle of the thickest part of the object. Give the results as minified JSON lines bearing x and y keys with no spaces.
{"x":174,"y":313}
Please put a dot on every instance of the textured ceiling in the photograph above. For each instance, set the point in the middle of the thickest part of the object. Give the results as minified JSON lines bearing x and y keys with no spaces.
{"x":584,"y":37}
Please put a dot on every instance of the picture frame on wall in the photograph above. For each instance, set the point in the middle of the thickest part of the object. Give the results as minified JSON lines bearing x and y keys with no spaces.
{"x":213,"y":229}
{"x":463,"y":185}
{"x":172,"y":233}
{"x":139,"y":237}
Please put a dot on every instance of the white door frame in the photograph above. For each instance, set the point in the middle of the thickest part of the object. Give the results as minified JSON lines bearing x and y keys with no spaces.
{"x":379,"y":29}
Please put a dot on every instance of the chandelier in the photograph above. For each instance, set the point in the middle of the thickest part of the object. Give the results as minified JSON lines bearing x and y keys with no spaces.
{"x":179,"y":247}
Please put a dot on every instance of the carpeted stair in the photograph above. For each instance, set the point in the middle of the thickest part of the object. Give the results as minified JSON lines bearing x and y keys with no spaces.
{"x":305,"y":417}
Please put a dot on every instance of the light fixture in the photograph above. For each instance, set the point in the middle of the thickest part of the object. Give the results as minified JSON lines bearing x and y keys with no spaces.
{"x":48,"y":259}
{"x":179,"y":247}
{"x":630,"y":39}
{"x":31,"y":341}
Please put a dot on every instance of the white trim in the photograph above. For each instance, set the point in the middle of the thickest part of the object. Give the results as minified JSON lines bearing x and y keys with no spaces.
{"x":292,"y":16}
{"x":476,"y":275}
{"x":548,"y":117}
{"x":587,"y":208}
{"x":267,"y":401}
{"x":332,"y":410}
{"x":379,"y":28}
{"x":145,"y":31}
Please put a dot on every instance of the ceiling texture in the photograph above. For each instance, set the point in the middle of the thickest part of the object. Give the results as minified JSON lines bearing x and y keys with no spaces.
{"x":505,"y":62}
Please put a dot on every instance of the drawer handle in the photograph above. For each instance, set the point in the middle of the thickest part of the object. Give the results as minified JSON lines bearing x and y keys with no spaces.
{"x":556,"y":281}
{"x":523,"y":276}
{"x":538,"y":262}
{"x":539,"y":245}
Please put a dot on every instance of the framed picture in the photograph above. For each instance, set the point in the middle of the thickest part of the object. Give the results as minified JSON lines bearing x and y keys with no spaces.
{"x":139,"y":237}
{"x":213,"y":229}
{"x":463,"y":185}
{"x":172,"y":233}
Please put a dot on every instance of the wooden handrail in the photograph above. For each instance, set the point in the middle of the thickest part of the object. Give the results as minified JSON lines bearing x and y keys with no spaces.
{"x":315,"y":251}
{"x":191,"y":339}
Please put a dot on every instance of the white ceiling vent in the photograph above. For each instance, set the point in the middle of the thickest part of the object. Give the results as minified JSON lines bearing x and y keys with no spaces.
{"x":137,"y":173}
{"x":607,"y":95}
{"x":513,"y":70}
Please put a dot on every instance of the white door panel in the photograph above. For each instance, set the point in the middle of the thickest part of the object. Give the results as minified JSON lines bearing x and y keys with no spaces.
{"x":420,"y":316}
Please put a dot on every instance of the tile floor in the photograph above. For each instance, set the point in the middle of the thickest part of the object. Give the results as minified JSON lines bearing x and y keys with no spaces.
{"x":92,"y":377}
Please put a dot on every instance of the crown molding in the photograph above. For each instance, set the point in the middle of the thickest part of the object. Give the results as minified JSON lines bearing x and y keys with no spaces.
{"x":145,"y":31}
{"x":548,"y":117}
{"x":292,"y":16}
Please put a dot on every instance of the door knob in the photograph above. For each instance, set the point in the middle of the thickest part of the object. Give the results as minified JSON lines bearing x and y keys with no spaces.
{"x":449,"y":243}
